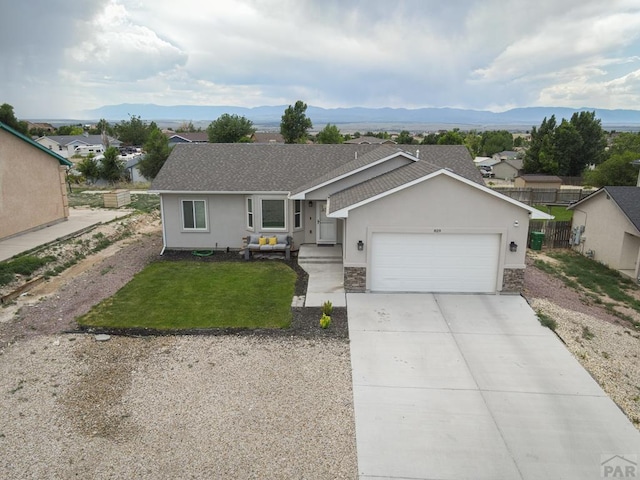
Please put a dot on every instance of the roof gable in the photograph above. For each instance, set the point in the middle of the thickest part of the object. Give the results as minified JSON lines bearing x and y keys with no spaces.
{"x":626,"y":198}
{"x":342,"y":202}
{"x":61,"y":160}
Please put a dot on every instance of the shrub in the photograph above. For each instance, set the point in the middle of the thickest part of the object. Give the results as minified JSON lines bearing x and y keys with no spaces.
{"x":327,"y":308}
{"x":325,"y":321}
{"x":547,"y":321}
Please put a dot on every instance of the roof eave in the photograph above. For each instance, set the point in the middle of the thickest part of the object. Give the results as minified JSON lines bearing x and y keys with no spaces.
{"x":302,"y":194}
{"x":534,"y":213}
{"x":63,"y":161}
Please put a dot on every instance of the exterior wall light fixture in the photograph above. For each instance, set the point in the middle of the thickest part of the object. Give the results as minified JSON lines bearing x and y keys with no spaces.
{"x":360,"y":245}
{"x":513,"y":247}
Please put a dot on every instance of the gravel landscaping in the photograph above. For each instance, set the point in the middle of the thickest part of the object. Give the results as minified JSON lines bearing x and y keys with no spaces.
{"x":606,"y":345}
{"x":247,"y":404}
{"x":226,"y":404}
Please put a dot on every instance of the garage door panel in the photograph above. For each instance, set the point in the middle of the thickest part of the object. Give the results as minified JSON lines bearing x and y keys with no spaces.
{"x":414,"y":262}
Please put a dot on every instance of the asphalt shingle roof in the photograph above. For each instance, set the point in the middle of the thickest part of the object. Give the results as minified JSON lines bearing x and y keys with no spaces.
{"x":431,"y":159}
{"x":250,"y":167}
{"x":87,"y":139}
{"x":242,"y":167}
{"x":628,"y":199}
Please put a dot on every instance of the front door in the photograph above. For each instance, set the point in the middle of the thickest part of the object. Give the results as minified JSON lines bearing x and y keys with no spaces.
{"x":327,"y":231}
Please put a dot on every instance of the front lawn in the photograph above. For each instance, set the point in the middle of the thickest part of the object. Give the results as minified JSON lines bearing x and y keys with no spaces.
{"x":186,"y":295}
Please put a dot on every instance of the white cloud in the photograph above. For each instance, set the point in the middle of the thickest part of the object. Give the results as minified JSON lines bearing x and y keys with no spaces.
{"x":469,"y":53}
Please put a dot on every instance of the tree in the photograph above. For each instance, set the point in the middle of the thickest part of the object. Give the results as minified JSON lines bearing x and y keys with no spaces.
{"x":229,"y":129}
{"x":112,"y":168}
{"x":495,"y":142}
{"x":430,"y":139}
{"x":187,"y":127}
{"x":156,"y":153}
{"x":626,"y":142}
{"x":70,"y":130}
{"x":295,"y":124}
{"x":89,"y":168}
{"x":568,"y":150}
{"x":405,"y":138}
{"x":452,"y":137}
{"x":617,"y":170}
{"x":594,"y":142}
{"x":8,"y":118}
{"x":330,"y":134}
{"x":540,"y":156}
{"x":134,"y":131}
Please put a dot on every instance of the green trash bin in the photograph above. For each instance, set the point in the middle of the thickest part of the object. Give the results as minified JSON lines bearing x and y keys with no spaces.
{"x":537,"y":238}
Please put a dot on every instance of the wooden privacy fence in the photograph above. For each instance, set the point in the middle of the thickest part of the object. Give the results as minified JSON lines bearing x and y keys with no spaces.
{"x":544,"y":196}
{"x":556,"y":233}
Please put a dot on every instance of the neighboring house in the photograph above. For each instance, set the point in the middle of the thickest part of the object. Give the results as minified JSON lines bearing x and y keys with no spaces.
{"x":415,"y":218}
{"x":267,"y":137}
{"x":131,"y":167}
{"x":69,"y":145}
{"x":193,"y":137}
{"x":47,"y":127}
{"x":537,"y":181}
{"x":606,"y":227}
{"x":371,"y":141}
{"x":506,"y":155}
{"x":33,"y":191}
{"x":507,"y":169}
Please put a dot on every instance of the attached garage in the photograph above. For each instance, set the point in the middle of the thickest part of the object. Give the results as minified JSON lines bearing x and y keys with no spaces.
{"x":434,"y":262}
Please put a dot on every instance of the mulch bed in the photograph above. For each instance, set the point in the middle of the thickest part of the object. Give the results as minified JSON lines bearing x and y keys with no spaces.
{"x":305,"y":320}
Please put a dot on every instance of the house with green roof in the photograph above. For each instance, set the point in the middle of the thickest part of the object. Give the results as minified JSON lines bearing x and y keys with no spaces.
{"x":33,"y":191}
{"x":408,"y":218}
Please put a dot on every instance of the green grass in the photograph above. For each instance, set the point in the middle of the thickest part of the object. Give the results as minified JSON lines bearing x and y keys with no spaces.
{"x":560,"y":213}
{"x":592,"y":277}
{"x":24,"y":265}
{"x":188,"y":295}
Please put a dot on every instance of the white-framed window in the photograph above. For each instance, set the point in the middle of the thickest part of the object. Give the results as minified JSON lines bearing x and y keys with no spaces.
{"x":274,"y":213}
{"x":297,"y":214}
{"x":250,"y":213}
{"x":194,"y":215}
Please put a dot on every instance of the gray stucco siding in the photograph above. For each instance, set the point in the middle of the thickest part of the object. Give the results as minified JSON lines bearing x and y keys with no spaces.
{"x":226,"y":222}
{"x":605,"y":229}
{"x":323,"y":193}
{"x":439,"y":205}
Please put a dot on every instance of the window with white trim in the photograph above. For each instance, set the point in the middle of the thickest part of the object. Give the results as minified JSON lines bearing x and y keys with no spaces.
{"x":297,"y":214}
{"x":194,"y":214}
{"x":250,"y":213}
{"x":274,"y":214}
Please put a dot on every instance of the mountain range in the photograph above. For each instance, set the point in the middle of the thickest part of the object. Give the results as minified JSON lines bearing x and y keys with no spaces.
{"x":271,"y":115}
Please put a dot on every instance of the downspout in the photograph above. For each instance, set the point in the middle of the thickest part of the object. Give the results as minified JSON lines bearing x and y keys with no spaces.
{"x":164,"y":231}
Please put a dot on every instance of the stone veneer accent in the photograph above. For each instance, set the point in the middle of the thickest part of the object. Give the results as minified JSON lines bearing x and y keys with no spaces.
{"x":513,"y":280}
{"x":355,"y":279}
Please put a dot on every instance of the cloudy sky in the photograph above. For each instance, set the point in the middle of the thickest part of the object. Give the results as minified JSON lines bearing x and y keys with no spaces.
{"x":60,"y":57}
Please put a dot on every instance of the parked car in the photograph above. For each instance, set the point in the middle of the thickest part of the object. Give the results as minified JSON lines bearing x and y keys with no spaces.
{"x":487,"y":171}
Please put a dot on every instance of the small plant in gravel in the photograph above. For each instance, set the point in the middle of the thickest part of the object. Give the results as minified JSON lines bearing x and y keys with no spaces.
{"x":325,"y":321}
{"x":547,"y":321}
{"x":327,"y":308}
{"x":587,"y":334}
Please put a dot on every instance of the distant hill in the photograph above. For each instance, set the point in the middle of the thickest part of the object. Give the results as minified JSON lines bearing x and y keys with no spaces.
{"x":271,"y":115}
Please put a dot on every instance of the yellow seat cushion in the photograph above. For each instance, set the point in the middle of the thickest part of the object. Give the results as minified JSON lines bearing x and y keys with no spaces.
{"x":273,"y":241}
{"x":262,"y":241}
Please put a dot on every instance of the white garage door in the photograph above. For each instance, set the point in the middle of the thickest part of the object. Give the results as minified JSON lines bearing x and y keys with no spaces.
{"x":437,"y":262}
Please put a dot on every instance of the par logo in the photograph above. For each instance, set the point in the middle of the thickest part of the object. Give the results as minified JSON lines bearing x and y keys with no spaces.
{"x":619,"y":466}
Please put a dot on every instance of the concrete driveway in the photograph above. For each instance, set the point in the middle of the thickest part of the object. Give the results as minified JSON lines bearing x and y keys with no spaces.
{"x":472,"y":386}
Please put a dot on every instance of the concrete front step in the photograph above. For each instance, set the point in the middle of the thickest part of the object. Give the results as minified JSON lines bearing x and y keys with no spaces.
{"x":320,"y":261}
